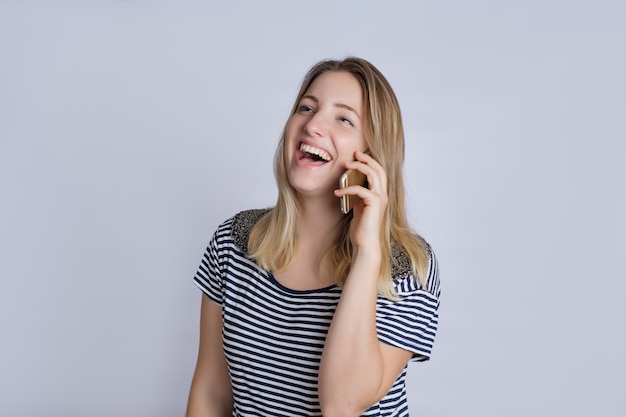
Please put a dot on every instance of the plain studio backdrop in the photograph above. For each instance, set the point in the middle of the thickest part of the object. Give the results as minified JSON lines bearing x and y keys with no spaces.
{"x":130,"y":129}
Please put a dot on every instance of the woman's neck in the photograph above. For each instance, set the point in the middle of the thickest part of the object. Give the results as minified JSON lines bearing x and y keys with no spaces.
{"x":317,"y":222}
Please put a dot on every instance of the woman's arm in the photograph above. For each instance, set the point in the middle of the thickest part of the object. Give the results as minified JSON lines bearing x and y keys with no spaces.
{"x":356,"y":369}
{"x":211,"y":393}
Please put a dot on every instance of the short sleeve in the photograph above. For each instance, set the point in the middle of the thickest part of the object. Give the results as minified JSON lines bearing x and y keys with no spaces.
{"x":209,"y":277}
{"x":410,"y":321}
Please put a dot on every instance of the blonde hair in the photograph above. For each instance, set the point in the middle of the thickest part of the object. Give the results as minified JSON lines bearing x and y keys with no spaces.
{"x":272,"y":241}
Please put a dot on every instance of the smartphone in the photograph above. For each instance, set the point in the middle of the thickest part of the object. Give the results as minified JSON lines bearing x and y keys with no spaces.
{"x":351,"y":177}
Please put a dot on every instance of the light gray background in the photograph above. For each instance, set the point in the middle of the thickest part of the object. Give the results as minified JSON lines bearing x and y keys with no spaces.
{"x":130,"y":129}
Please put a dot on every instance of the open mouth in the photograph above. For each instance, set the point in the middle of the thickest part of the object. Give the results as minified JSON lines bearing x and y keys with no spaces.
{"x":314,"y":154}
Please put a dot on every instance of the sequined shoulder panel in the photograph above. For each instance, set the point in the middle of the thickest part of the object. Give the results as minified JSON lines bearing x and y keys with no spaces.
{"x":242,"y":224}
{"x":400,"y":262}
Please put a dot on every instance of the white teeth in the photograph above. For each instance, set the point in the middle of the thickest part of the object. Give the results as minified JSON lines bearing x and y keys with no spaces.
{"x":309,"y":149}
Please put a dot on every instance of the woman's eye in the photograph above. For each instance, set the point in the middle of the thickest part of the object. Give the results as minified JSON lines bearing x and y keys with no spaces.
{"x":346,"y":121}
{"x":304,"y":108}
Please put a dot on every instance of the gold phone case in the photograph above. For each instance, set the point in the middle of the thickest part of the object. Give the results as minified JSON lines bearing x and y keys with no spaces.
{"x":350,"y":177}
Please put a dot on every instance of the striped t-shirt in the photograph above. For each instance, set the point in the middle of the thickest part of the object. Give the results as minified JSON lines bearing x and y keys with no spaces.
{"x":273,"y":336}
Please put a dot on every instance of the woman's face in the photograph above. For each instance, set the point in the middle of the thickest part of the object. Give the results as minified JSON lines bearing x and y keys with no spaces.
{"x":323,"y":133}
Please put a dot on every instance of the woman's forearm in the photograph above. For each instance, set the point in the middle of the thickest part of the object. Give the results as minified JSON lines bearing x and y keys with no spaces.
{"x":351,"y":368}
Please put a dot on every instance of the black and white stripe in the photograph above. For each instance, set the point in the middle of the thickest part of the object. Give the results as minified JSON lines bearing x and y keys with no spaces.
{"x":273,"y":336}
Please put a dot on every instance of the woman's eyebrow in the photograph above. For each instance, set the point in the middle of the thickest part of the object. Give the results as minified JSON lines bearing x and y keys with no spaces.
{"x":345,"y":106}
{"x":310,"y":97}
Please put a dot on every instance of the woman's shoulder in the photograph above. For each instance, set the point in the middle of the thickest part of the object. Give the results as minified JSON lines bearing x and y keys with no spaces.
{"x":400,"y":262}
{"x":403,"y":271}
{"x":238,"y":227}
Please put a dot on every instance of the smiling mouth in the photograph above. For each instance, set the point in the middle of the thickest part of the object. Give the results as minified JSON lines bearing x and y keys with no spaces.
{"x":314,"y":154}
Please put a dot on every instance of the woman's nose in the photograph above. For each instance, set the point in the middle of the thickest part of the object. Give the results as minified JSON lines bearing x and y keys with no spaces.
{"x":315,"y":126}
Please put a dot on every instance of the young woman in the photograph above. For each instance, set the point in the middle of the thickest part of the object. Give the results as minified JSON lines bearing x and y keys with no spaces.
{"x":308,"y":311}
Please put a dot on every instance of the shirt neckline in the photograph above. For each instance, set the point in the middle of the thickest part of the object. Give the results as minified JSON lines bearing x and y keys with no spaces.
{"x":294,"y":291}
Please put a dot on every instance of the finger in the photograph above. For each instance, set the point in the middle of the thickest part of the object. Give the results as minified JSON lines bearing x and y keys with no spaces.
{"x":362,"y":156}
{"x":370,"y":161}
{"x":370,"y":174}
{"x":376,"y":176}
{"x":368,"y":197}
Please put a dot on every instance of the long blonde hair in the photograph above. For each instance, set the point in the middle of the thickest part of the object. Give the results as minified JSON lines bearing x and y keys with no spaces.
{"x":272,"y":241}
